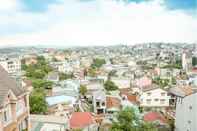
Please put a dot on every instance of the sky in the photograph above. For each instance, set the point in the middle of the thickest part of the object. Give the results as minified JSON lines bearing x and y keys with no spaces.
{"x":96,"y":22}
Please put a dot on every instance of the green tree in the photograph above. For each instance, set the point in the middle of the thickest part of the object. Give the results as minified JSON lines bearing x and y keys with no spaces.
{"x":37,"y":102}
{"x":92,"y":72}
{"x":194,"y":61}
{"x":110,"y":86}
{"x":83,"y":90}
{"x":111,"y":73}
{"x":127,"y":120}
{"x":64,"y":76}
{"x":39,"y":83}
{"x":97,"y":63}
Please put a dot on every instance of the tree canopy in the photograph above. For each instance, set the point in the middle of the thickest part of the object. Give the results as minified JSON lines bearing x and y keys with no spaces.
{"x":64,"y":76}
{"x":127,"y":120}
{"x":83,"y":90}
{"x":194,"y":61}
{"x":37,"y":102}
{"x":97,"y":63}
{"x":110,"y":86}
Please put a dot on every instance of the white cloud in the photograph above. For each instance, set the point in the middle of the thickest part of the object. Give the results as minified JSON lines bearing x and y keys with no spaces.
{"x":104,"y":22}
{"x":7,"y":5}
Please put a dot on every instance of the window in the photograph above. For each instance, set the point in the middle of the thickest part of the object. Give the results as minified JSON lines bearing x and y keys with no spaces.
{"x":163,"y":94}
{"x":97,"y":104}
{"x":156,"y":99}
{"x":103,"y":104}
{"x":149,"y":93}
{"x":20,"y":106}
{"x":148,"y":101}
{"x":7,"y":114}
{"x":162,"y":101}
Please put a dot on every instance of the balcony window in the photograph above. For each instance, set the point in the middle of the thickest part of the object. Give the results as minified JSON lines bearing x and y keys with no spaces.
{"x":7,"y":114}
{"x":20,"y":107}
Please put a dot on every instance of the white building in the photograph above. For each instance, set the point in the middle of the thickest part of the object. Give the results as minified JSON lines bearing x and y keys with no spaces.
{"x":99,"y":102}
{"x":186,"y":111}
{"x":154,"y":97}
{"x":11,"y":65}
{"x":184,"y":62}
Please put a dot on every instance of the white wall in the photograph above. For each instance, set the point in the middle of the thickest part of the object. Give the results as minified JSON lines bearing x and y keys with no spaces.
{"x":154,"y":95}
{"x":186,"y":113}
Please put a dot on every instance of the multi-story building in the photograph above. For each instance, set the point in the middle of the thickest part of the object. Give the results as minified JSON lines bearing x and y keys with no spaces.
{"x":154,"y":97}
{"x":99,"y":102}
{"x":186,"y":106}
{"x":14,"y":105}
{"x":11,"y":65}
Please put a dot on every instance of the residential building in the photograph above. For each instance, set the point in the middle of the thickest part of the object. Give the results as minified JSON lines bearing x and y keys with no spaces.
{"x":186,"y":106}
{"x":53,"y":76}
{"x":84,"y":121}
{"x":154,"y":97}
{"x":14,"y":105}
{"x":49,"y":123}
{"x":99,"y":102}
{"x":11,"y":65}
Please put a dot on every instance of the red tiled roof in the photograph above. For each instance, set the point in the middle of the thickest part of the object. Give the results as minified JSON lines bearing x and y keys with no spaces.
{"x":132,"y":98}
{"x":81,"y":120}
{"x":128,"y":93}
{"x":154,"y":116}
{"x":113,"y":102}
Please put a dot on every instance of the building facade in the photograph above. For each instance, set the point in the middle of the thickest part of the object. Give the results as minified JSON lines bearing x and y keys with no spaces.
{"x":154,"y":97}
{"x":14,"y":105}
{"x":186,"y":114}
{"x":11,"y":65}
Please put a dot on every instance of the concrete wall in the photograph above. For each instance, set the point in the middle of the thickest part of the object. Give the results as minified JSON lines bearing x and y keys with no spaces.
{"x":186,"y":113}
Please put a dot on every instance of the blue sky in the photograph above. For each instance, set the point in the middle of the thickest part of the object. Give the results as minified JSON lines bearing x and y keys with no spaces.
{"x":97,"y":22}
{"x":41,"y":5}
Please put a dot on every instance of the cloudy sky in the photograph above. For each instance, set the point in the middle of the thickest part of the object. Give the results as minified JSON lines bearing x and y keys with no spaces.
{"x":96,"y":22}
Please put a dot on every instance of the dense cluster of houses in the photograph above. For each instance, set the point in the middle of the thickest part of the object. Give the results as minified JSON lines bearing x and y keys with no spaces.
{"x":154,"y":100}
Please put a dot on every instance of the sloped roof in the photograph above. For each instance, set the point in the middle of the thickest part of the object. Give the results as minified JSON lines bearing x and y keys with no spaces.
{"x":181,"y":91}
{"x":81,"y":120}
{"x":6,"y":84}
{"x":113,"y":102}
{"x":154,"y":116}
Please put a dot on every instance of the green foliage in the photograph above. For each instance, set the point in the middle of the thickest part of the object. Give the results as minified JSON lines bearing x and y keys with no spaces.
{"x":39,"y":83}
{"x":83,"y":90}
{"x":23,"y":66}
{"x":37,"y":102}
{"x":173,"y":81}
{"x":64,"y":76}
{"x":127,"y":120}
{"x":97,"y":63}
{"x":194,"y":61}
{"x":161,"y":82}
{"x":39,"y":70}
{"x":110,"y":86}
{"x":92,"y":72}
{"x":171,"y":124}
{"x":177,"y":65}
{"x":111,"y":73}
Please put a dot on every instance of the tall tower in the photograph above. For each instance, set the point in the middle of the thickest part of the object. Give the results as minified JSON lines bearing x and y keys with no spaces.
{"x":184,"y":61}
